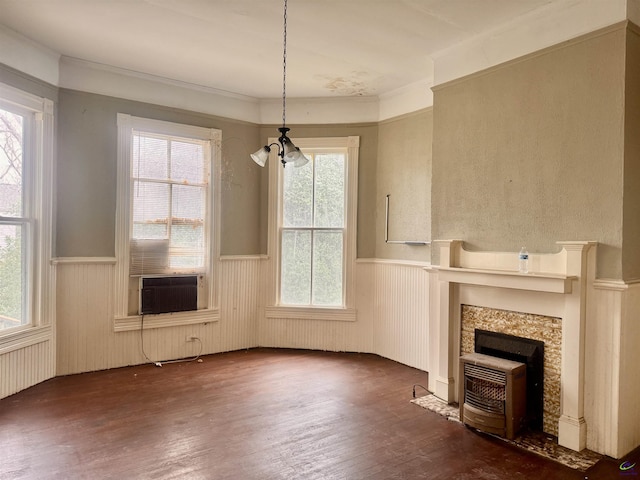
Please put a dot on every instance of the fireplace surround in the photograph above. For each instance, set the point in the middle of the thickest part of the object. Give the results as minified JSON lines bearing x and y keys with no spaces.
{"x":545,"y":330}
{"x":555,"y":287}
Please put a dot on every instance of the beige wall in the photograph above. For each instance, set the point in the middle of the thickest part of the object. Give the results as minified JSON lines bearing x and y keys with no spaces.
{"x":631,"y":230}
{"x":531,"y":152}
{"x":87,"y":143}
{"x":404,"y":173}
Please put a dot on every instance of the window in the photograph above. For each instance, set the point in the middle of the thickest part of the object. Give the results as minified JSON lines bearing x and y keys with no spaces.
{"x":26,"y":146}
{"x":169,"y":202}
{"x":313,"y":230}
{"x":167,"y":211}
{"x":14,"y":222}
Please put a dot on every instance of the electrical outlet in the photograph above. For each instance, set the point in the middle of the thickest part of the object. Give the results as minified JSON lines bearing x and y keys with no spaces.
{"x":190,"y":338}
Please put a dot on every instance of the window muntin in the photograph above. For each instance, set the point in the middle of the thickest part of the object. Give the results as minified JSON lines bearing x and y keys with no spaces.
{"x":313,"y":231}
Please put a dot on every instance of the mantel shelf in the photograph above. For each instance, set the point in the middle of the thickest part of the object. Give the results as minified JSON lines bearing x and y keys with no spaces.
{"x":540,"y":282}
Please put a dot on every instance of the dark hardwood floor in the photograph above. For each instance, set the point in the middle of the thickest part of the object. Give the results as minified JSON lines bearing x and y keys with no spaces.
{"x":256,"y":414}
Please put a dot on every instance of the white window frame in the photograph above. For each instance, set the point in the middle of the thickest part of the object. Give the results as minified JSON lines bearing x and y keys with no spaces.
{"x":123,"y":321}
{"x":274,"y":309}
{"x":38,"y":183}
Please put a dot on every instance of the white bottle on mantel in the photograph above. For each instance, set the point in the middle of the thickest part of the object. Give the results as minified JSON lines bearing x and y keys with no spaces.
{"x":523,"y":260}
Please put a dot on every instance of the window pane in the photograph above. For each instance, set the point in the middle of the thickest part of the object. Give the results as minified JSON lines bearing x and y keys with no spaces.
{"x":150,"y":158}
{"x":187,"y":203}
{"x":296,"y":268}
{"x":11,"y":135}
{"x":298,"y":196}
{"x":187,"y":162}
{"x":327,"y":268}
{"x":148,"y":231}
{"x":187,"y":236}
{"x":185,"y":261}
{"x":12,"y":275}
{"x":329,"y":195}
{"x":150,"y":210}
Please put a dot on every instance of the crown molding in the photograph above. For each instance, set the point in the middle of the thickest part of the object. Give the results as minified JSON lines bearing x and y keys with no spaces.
{"x":542,"y":28}
{"x":555,"y":23}
{"x":408,"y":99}
{"x":102,"y":79}
{"x":320,"y":110}
{"x":111,"y":81}
{"x":27,"y":56}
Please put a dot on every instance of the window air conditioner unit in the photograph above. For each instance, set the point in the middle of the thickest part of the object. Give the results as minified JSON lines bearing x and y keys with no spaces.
{"x":168,"y":294}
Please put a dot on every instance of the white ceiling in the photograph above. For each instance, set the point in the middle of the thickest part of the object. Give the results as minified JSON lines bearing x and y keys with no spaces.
{"x":334,"y":47}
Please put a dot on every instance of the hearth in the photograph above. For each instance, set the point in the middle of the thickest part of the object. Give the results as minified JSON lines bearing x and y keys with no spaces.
{"x":519,"y":349}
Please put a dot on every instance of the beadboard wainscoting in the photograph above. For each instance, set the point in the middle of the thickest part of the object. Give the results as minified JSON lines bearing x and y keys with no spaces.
{"x":400,"y":311}
{"x":391,"y":318}
{"x":612,"y":376}
{"x":88,"y":340}
{"x":25,"y":366}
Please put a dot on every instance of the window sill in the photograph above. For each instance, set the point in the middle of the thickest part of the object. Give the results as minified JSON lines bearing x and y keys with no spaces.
{"x":177,"y":319}
{"x":312,"y":313}
{"x":24,"y":338}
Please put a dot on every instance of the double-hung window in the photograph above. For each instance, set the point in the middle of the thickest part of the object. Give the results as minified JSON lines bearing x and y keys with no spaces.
{"x":169,"y":200}
{"x":167,"y":210}
{"x":26,"y":182}
{"x":313,"y":231}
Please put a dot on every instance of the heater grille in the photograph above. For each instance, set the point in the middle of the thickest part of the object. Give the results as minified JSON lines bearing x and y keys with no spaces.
{"x":485,"y":388}
{"x":492,"y":394}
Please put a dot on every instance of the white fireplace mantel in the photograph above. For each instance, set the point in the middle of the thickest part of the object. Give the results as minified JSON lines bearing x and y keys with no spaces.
{"x":539,"y":282}
{"x":560,"y":280}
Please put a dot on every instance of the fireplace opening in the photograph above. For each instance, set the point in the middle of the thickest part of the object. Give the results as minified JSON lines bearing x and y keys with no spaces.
{"x":524,"y":350}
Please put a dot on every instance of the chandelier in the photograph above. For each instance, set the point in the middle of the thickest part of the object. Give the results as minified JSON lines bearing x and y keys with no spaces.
{"x":287,"y":151}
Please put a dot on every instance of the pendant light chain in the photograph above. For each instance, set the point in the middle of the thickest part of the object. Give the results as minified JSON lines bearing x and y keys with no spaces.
{"x":287,"y":151}
{"x":284,"y":68}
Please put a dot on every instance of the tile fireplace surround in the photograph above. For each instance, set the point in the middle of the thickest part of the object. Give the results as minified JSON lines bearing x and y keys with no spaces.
{"x":489,"y":282}
{"x":525,"y":325}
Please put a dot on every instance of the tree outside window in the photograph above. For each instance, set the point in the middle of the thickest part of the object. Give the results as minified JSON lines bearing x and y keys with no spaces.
{"x":12,"y":223}
{"x":313,"y":232}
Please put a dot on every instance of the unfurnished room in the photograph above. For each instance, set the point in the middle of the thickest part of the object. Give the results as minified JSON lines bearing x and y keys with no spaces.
{"x":319,"y":239}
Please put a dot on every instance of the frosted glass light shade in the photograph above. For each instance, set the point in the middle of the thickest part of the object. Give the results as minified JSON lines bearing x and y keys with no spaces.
{"x":292,"y":154}
{"x":261,"y":156}
{"x":300,"y":160}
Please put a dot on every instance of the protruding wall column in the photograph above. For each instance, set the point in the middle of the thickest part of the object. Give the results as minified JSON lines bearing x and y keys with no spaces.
{"x":441,"y":371}
{"x":572,"y":428}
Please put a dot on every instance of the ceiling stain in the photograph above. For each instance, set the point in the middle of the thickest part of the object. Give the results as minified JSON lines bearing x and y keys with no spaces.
{"x":358,"y":84}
